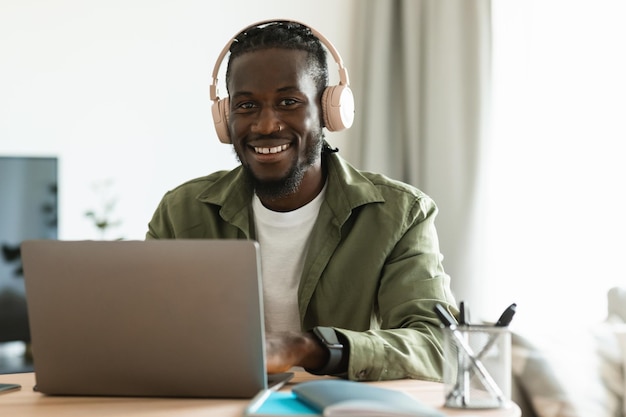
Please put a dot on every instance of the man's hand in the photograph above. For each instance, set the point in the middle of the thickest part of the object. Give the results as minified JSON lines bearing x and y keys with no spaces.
{"x":288,"y":349}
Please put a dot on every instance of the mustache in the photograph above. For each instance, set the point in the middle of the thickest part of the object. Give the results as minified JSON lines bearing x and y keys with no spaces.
{"x":272,"y":136}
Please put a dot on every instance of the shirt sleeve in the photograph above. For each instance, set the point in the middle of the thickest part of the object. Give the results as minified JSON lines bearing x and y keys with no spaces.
{"x":408,"y":343}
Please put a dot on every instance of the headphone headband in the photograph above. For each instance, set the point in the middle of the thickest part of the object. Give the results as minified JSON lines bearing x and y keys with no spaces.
{"x":337,"y":101}
{"x":344,"y":79}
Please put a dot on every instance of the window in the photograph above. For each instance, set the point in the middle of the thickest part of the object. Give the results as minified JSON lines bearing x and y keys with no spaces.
{"x":557,"y":209}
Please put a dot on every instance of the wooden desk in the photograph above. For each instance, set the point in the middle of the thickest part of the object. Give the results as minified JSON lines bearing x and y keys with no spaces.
{"x":26,"y":402}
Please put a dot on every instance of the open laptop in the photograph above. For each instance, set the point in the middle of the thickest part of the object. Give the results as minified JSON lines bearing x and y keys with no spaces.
{"x":172,"y":318}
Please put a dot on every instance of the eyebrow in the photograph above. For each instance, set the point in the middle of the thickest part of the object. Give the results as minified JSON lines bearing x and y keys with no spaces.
{"x":285,"y":89}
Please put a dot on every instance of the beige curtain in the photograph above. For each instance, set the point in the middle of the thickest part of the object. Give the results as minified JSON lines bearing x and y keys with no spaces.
{"x":420,"y":74}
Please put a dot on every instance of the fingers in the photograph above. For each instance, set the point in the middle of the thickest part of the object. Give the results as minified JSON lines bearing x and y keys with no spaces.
{"x":288,"y":349}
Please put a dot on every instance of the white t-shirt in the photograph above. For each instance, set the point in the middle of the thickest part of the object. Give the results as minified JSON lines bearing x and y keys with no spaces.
{"x":283,"y":239}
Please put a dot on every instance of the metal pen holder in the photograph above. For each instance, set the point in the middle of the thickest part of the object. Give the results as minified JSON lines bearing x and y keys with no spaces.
{"x":477,"y":366}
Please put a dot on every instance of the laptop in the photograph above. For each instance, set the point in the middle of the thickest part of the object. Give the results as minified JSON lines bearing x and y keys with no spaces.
{"x":167,"y":318}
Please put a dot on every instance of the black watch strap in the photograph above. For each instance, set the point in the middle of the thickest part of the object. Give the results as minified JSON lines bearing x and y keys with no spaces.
{"x":328,"y":338}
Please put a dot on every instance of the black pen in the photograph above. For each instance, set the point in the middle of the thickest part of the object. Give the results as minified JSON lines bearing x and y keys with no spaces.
{"x":445,"y":317}
{"x":462,"y":315}
{"x":507,"y":316}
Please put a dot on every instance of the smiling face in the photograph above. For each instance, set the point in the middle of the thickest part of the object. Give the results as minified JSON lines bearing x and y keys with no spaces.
{"x":275,"y":125}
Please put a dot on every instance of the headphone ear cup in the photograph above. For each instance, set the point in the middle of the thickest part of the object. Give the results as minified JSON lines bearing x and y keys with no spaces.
{"x":338,"y":107}
{"x":219,"y":110}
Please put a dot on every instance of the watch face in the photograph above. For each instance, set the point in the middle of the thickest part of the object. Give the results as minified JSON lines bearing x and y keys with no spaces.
{"x":328,"y":336}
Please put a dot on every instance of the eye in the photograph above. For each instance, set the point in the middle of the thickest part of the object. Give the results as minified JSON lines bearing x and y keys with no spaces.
{"x":288,"y":102}
{"x":243,"y":106}
{"x":247,"y":105}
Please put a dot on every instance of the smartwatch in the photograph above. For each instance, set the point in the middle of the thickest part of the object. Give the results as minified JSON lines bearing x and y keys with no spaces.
{"x":328,"y":338}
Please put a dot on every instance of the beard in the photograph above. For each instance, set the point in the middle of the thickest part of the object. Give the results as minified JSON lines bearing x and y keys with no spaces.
{"x":290,"y":182}
{"x":280,"y":188}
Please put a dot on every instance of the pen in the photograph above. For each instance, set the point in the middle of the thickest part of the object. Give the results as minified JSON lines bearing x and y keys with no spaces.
{"x":462,"y":314}
{"x":507,"y":316}
{"x":257,"y":401}
{"x":462,"y":377}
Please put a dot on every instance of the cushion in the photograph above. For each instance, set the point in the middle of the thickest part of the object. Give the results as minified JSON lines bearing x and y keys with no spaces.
{"x":621,"y":336}
{"x":573,"y":370}
{"x":617,"y":315}
{"x":617,"y":304}
{"x":570,"y":371}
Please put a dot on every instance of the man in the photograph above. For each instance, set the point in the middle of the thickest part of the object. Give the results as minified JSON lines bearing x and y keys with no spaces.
{"x":350,"y":260}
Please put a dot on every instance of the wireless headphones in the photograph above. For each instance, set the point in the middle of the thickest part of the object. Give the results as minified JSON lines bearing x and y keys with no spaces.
{"x":337,"y":100}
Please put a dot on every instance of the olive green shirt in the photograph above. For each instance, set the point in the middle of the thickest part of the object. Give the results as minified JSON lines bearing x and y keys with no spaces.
{"x":373,"y":269}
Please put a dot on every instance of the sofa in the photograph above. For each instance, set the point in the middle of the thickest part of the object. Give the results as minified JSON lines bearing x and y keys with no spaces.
{"x":573,"y":370}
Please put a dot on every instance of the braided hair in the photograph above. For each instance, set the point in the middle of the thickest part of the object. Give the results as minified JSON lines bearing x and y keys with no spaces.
{"x":283,"y":35}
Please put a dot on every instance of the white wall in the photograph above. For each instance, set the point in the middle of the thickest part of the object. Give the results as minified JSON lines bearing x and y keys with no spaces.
{"x":118,"y":90}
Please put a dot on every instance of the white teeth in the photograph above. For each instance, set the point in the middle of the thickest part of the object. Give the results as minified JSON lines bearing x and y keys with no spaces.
{"x":274,"y":149}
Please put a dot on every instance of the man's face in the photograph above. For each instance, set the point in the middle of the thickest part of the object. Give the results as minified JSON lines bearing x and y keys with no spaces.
{"x":274,"y":119}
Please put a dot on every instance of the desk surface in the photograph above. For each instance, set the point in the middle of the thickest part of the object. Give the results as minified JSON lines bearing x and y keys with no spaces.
{"x":26,"y":402}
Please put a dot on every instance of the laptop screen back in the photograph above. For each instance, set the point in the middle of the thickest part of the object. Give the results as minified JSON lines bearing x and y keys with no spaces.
{"x":154,"y":318}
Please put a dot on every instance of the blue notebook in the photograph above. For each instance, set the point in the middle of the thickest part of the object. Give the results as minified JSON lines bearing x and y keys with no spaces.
{"x":272,"y":403}
{"x":338,"y":398}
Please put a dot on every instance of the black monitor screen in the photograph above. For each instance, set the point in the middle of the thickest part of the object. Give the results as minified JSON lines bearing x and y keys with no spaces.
{"x":28,"y":210}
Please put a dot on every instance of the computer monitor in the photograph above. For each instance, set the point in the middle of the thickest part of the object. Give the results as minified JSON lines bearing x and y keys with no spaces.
{"x":28,"y":210}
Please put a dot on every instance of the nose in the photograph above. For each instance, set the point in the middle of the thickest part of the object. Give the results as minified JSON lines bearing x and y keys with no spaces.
{"x":267,"y":122}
